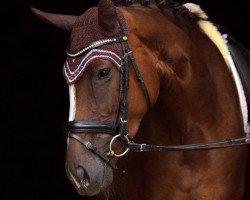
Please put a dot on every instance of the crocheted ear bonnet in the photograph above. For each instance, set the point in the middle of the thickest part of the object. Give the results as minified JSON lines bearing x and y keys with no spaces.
{"x":86,"y":32}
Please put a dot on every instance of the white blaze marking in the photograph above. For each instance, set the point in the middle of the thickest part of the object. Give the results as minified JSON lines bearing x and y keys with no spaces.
{"x":72,"y":101}
{"x":72,"y":104}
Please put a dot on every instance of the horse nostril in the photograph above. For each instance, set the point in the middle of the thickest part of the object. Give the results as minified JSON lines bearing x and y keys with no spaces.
{"x":82,"y":177}
{"x":80,"y":172}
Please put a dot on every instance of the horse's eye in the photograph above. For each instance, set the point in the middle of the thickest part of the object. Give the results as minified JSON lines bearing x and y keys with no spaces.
{"x":103,"y":73}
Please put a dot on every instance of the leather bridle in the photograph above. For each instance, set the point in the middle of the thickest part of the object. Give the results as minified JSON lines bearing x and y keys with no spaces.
{"x":118,"y":128}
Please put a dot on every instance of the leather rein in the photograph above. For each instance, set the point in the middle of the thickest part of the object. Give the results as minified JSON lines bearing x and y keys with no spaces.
{"x":118,"y":128}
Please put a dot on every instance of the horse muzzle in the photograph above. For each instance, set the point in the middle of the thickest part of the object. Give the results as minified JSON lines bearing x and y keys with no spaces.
{"x":76,"y":128}
{"x":89,"y":176}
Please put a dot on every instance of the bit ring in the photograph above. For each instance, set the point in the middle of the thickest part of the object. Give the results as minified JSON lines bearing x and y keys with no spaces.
{"x":112,"y":141}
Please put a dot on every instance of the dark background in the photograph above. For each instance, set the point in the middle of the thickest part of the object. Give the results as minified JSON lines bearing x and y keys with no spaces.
{"x":34,"y":95}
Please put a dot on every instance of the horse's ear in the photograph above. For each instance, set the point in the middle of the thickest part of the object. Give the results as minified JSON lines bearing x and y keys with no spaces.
{"x":107,"y":17}
{"x":64,"y":22}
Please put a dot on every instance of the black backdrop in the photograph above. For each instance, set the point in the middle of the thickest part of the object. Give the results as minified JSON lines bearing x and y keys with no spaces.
{"x":34,"y":98}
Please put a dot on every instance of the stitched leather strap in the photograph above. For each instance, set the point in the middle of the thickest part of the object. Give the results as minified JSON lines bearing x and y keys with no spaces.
{"x":230,"y":142}
{"x":91,"y":127}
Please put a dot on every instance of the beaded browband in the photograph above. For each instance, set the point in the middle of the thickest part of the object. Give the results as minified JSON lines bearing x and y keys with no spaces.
{"x":95,"y":45}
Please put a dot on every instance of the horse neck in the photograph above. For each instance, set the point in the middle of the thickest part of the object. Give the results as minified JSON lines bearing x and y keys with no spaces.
{"x":196,"y":88}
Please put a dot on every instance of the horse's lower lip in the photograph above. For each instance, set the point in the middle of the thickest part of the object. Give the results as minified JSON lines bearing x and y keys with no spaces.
{"x":87,"y":191}
{"x":82,"y":191}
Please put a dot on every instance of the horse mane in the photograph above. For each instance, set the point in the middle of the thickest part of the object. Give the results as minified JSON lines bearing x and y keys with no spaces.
{"x":165,"y":6}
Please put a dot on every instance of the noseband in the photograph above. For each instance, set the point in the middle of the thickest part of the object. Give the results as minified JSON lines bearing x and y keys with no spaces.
{"x":118,"y":128}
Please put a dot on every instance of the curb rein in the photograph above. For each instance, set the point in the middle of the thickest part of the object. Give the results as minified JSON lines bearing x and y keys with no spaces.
{"x":73,"y":128}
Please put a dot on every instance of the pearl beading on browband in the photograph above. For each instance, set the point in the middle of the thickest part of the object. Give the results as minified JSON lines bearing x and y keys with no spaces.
{"x":72,"y":76}
{"x":93,"y":46}
{"x":90,"y":53}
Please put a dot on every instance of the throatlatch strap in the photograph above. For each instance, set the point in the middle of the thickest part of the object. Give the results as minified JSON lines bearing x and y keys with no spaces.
{"x":140,"y":81}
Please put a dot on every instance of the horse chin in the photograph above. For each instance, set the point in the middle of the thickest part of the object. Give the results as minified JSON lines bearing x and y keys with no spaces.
{"x":97,"y":180}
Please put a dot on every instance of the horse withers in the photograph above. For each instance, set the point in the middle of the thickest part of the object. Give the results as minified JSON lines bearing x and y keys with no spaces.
{"x":156,"y":74}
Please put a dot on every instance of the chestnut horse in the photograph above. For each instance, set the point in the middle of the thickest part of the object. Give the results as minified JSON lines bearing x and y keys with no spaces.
{"x":175,"y":89}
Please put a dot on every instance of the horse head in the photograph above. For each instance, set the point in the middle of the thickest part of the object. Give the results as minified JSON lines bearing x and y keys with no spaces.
{"x":94,"y":76}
